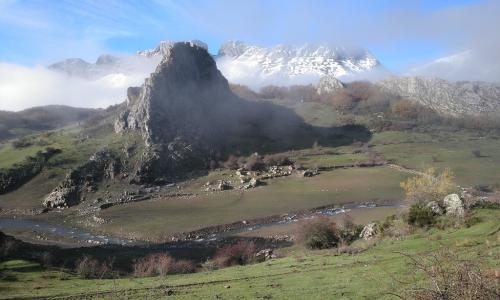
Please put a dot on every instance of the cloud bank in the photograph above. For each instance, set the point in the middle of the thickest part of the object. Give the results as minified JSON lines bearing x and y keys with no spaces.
{"x":23,"y":87}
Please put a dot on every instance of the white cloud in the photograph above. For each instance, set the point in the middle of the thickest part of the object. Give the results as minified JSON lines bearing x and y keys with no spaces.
{"x":22,"y":87}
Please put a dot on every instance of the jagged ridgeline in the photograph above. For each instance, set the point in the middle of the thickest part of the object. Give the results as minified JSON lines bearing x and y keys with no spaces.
{"x":187,"y":116}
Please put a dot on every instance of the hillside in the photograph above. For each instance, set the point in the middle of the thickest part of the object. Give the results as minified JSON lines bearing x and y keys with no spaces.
{"x":38,"y":119}
{"x":382,"y":272}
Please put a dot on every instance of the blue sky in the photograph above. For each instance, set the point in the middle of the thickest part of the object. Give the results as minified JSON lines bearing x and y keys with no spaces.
{"x":400,"y":33}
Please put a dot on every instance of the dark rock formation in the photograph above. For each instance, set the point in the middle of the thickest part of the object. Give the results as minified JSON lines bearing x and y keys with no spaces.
{"x":102,"y":164}
{"x":188,"y":116}
{"x":19,"y":174}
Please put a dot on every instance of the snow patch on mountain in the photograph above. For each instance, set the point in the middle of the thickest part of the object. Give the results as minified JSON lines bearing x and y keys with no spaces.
{"x":285,"y":65}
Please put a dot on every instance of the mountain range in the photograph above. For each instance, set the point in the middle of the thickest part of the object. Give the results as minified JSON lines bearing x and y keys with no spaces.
{"x":240,"y":63}
{"x":322,"y":65}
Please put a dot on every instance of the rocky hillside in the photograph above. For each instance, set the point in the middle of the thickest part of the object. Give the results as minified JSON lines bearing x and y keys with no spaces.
{"x":446,"y":97}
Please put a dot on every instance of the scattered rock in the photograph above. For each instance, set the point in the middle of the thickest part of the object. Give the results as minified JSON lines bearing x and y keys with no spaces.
{"x":253,"y":183}
{"x":221,"y":185}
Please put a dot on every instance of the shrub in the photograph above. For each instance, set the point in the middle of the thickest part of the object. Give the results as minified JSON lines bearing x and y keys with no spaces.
{"x":277,"y":160}
{"x":232,"y":162}
{"x":254,"y":163}
{"x":349,"y":231}
{"x":22,"y":143}
{"x":420,"y":215}
{"x":181,"y":267}
{"x":319,"y":233}
{"x":161,"y":264}
{"x":476,"y":153}
{"x":87,"y":267}
{"x":447,"y":276}
{"x":241,"y":253}
{"x":429,"y":186}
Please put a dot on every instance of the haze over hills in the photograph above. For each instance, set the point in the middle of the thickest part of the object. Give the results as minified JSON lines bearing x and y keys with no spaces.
{"x":470,"y":65}
{"x":37,"y":119}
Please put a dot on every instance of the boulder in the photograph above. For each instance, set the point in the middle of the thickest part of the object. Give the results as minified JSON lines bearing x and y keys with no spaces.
{"x":223,"y":185}
{"x":62,"y":197}
{"x":453,"y":205}
{"x":310,"y":173}
{"x":435,"y":208}
{"x":265,"y":254}
{"x":369,"y":231}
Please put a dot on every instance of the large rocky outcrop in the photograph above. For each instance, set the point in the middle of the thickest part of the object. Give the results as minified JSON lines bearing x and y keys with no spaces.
{"x":329,"y":85}
{"x":84,"y":179}
{"x":187,"y":115}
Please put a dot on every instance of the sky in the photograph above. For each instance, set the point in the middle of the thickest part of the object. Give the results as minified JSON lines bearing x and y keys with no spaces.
{"x":401,"y":34}
{"x":397,"y":32}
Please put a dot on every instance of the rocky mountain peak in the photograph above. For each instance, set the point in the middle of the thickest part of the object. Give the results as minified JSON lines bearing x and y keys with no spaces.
{"x":328,"y":85}
{"x":177,"y":97}
{"x":164,"y":47}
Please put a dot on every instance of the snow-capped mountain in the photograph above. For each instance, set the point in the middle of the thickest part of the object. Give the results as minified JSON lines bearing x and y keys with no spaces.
{"x":284,"y":64}
{"x":251,"y":65}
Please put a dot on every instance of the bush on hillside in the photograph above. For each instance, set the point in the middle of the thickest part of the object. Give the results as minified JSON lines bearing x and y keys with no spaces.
{"x":420,"y":215}
{"x":232,"y":162}
{"x":89,"y":267}
{"x":429,"y":186}
{"x":241,"y":253}
{"x":448,"y":276}
{"x":22,"y":143}
{"x":319,"y":233}
{"x":277,"y":160}
{"x":254,"y":163}
{"x":161,"y":264}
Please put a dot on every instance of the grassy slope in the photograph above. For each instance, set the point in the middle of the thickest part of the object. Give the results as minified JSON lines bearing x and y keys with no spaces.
{"x":300,"y":275}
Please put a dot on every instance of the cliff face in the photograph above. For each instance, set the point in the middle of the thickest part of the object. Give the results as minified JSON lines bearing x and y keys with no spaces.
{"x":182,"y":111}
